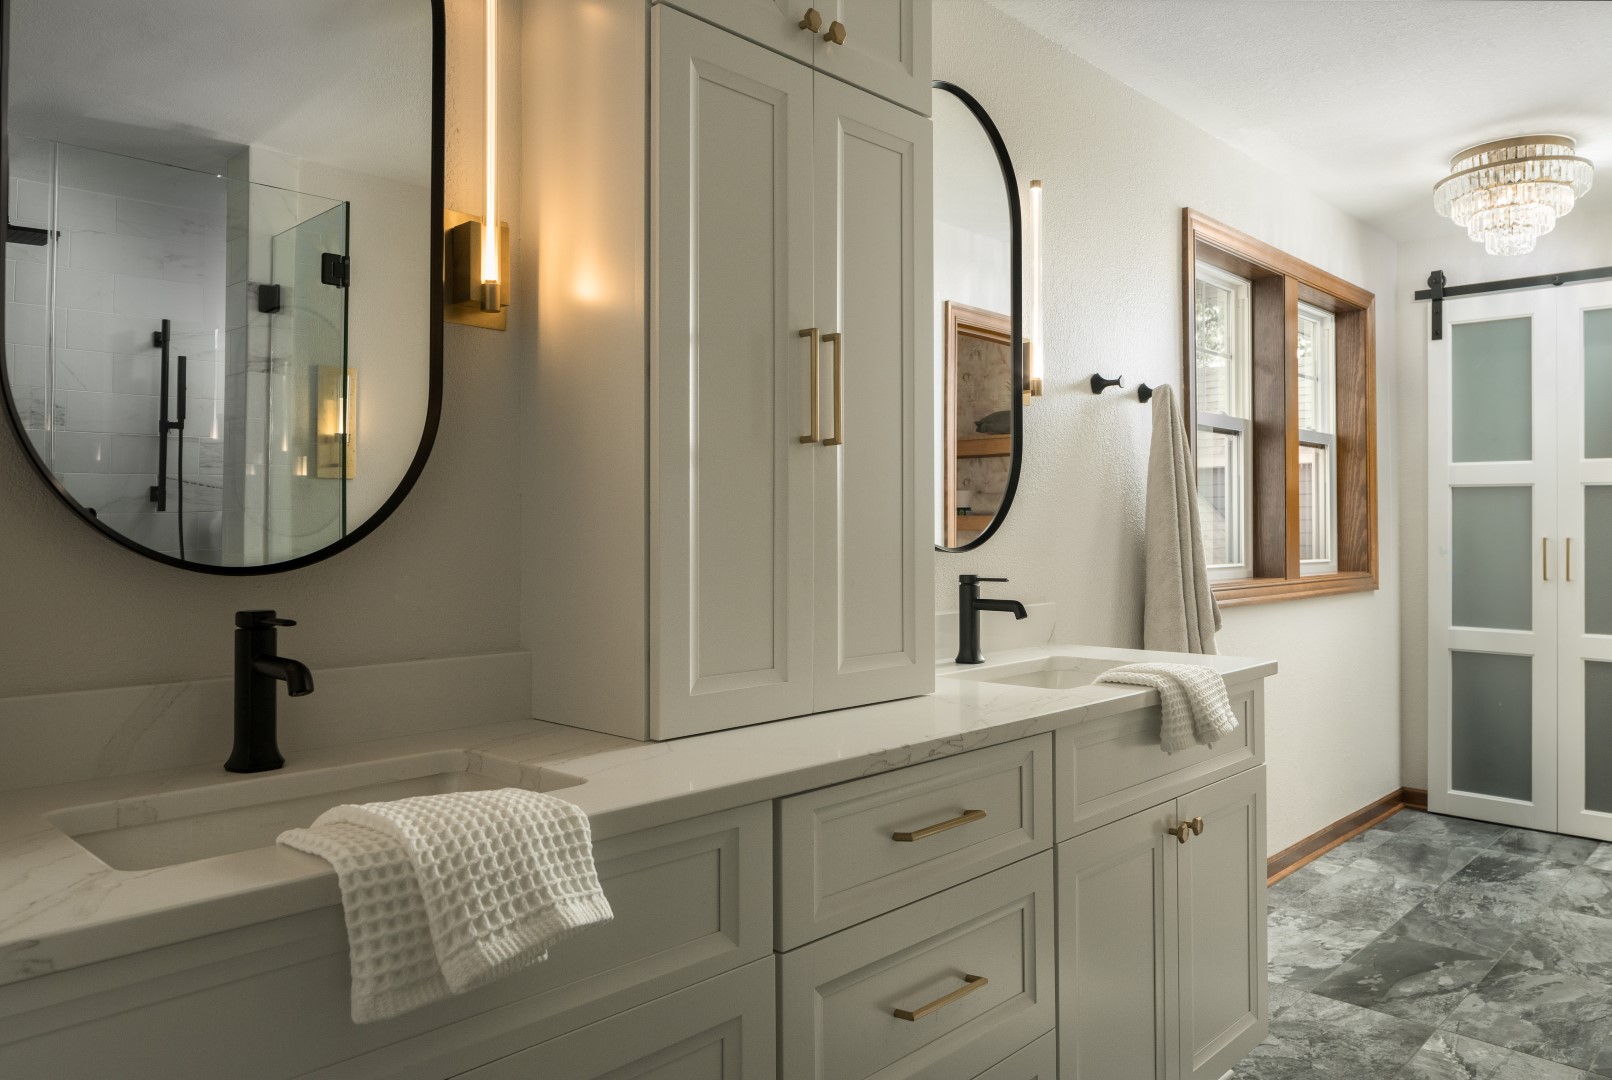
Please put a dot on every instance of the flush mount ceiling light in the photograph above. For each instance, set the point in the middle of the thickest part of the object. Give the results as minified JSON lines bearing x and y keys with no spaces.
{"x":1509,"y":193}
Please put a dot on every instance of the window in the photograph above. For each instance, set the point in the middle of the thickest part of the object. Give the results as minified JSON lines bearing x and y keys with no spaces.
{"x":1280,"y":379}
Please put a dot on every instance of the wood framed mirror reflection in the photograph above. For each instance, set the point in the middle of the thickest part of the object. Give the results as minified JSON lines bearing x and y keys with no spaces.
{"x":213,"y":229}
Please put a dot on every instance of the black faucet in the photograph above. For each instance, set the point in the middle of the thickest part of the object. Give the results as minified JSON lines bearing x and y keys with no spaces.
{"x":256,"y":670}
{"x":969,"y":606}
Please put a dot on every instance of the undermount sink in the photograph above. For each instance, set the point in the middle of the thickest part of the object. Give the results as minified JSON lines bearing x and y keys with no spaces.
{"x":172,"y":827}
{"x":1045,"y":673}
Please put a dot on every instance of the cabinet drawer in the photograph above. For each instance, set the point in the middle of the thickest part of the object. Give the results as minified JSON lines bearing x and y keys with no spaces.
{"x":721,"y":1029}
{"x":1038,"y":1061}
{"x":840,"y":862}
{"x":839,"y":997}
{"x":1114,"y":767}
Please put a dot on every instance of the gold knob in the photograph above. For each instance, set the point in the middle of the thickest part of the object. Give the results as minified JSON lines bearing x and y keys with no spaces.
{"x":813,"y":20}
{"x":1180,"y":832}
{"x":836,"y":33}
{"x":1197,"y":826}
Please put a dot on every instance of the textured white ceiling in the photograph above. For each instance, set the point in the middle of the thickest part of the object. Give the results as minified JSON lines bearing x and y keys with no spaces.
{"x":342,"y":82}
{"x":1362,"y":101}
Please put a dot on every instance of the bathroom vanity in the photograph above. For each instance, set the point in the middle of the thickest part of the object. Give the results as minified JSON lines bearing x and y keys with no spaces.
{"x":1006,"y":879}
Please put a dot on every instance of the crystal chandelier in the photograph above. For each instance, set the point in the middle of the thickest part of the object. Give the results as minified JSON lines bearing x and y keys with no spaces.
{"x":1509,"y":193}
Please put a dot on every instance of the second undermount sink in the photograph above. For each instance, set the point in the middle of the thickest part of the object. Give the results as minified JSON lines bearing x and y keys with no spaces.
{"x":171,"y":827}
{"x":1045,"y":673}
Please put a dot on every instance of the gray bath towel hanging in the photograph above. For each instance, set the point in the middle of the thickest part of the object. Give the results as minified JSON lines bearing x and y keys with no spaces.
{"x":1179,"y":613}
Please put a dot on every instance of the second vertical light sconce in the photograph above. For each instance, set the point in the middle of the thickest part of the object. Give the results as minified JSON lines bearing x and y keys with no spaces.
{"x":476,"y":249}
{"x":1034,"y":331}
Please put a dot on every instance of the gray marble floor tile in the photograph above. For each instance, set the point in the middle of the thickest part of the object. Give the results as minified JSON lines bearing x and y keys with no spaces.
{"x":1406,"y":978}
{"x":1588,"y":892}
{"x":1447,"y":1056}
{"x":1553,"y":1015}
{"x":1522,"y":1067}
{"x":1418,"y":858}
{"x":1601,"y":859}
{"x":1558,"y":940}
{"x":1455,"y":830}
{"x":1505,"y":876}
{"x":1567,"y":849}
{"x":1468,"y":919}
{"x":1399,"y":822}
{"x":1364,"y":899}
{"x":1318,"y":1038}
{"x":1281,"y":996}
{"x":1602,"y":1066}
{"x":1305,"y":948}
{"x":1298,"y":882}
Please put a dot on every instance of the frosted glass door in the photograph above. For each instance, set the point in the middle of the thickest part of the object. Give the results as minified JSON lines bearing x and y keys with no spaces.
{"x":1494,"y":556}
{"x":1584,"y":337}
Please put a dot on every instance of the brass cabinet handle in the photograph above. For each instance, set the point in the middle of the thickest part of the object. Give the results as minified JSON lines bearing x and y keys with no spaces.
{"x":1196,"y":824}
{"x":971,"y":984}
{"x":839,"y":390}
{"x":1180,"y":832}
{"x":1544,"y":558}
{"x":836,"y":33}
{"x":927,"y":831}
{"x":812,"y":436}
{"x":812,"y":21}
{"x":1569,"y":558}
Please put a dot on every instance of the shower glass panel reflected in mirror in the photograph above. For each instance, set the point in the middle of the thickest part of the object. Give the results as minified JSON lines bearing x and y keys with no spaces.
{"x":177,"y":351}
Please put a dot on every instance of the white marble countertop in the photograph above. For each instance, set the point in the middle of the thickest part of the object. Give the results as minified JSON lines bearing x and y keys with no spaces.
{"x":61,"y":907}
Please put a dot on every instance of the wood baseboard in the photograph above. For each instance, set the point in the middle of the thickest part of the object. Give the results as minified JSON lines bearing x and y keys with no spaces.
{"x":1315,"y":845}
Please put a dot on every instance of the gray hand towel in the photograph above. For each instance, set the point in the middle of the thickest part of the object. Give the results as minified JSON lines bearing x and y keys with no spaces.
{"x":1179,"y":614}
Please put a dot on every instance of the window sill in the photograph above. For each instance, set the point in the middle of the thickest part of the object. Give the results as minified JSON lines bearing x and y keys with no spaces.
{"x":1269,"y":590}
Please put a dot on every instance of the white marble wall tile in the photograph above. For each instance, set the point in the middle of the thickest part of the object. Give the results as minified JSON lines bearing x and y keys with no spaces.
{"x":147,"y":528}
{"x":27,"y":365}
{"x":91,"y":290}
{"x":29,"y":200}
{"x":100,"y":331}
{"x":80,"y":370}
{"x":204,"y":529}
{"x":127,"y":414}
{"x":27,"y":282}
{"x":110,"y":493}
{"x":134,"y":454}
{"x":11,"y":278}
{"x":30,"y":402}
{"x":80,"y":410}
{"x":170,"y":224}
{"x":158,"y":298}
{"x":77,"y":208}
{"x":140,"y":373}
{"x":27,"y":324}
{"x":81,"y":451}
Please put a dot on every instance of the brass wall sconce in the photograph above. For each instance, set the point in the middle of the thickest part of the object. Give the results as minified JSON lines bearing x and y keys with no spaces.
{"x":467,"y":296}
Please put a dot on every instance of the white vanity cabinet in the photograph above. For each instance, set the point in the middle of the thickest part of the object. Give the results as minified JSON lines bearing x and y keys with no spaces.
{"x":763,"y":472}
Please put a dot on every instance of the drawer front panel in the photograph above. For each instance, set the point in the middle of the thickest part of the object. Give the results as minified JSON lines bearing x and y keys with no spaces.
{"x":1114,"y":767}
{"x":1038,"y":1061}
{"x":721,"y":1029}
{"x":973,"y":965}
{"x":840,"y":860}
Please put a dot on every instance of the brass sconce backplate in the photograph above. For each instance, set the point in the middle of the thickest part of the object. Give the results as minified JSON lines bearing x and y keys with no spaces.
{"x":461,"y":272}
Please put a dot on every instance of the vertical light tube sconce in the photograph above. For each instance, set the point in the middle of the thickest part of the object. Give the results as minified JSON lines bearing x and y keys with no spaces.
{"x":1034,"y":328}
{"x":476,"y":249}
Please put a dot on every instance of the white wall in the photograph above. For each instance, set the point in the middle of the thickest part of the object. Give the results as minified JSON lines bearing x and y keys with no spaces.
{"x":77,"y":611}
{"x":1580,"y":241}
{"x":1118,"y":169}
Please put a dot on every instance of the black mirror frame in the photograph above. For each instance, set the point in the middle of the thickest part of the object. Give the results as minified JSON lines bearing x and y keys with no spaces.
{"x":433,"y":414}
{"x":1016,"y":255}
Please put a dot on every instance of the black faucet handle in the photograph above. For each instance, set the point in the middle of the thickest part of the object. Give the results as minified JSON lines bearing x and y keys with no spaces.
{"x":260,"y":620}
{"x":975,"y":579}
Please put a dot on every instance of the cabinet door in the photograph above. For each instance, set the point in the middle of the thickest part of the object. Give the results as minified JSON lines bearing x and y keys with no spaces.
{"x":773,"y":23}
{"x":874,"y":565}
{"x":731,"y":565}
{"x":886,"y":48}
{"x":1221,"y":922}
{"x":1116,"y":949}
{"x":720,"y":1029}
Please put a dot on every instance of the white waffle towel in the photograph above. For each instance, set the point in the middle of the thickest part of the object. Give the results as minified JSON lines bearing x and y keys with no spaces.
{"x":444,"y":893}
{"x":1196,"y":708}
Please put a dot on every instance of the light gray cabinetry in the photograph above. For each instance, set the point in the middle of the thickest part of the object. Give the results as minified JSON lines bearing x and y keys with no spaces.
{"x":1161,"y":943}
{"x":1038,"y":1061}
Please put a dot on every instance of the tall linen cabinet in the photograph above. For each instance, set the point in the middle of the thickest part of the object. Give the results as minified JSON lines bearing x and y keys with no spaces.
{"x":727,"y":437}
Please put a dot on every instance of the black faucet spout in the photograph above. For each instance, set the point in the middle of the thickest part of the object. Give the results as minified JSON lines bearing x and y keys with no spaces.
{"x":258,"y":670}
{"x":294,"y":673}
{"x":969,"y":606}
{"x":1014,"y":606}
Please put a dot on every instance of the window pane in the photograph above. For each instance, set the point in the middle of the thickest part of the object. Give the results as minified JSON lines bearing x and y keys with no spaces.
{"x":1315,"y":504}
{"x":1491,"y":724}
{"x":1220,"y":496}
{"x":1492,"y":557}
{"x":1492,"y":407}
{"x":1598,"y":384}
{"x":1317,"y":369}
{"x":1221,"y":344}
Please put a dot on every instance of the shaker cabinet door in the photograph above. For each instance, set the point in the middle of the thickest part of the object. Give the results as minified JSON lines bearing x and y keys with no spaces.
{"x":773,"y":23}
{"x":874,"y":564}
{"x":731,"y":566}
{"x":1222,"y":925}
{"x":886,"y":48}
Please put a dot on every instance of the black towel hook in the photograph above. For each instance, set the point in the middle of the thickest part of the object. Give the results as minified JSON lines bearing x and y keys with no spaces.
{"x":1144,"y":393}
{"x":1099,"y":384}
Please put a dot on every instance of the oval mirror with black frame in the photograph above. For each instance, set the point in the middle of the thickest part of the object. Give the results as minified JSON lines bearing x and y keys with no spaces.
{"x":223,"y":346}
{"x":979,"y":341}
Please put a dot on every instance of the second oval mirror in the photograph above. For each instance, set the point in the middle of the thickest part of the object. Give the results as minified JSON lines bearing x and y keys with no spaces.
{"x":979,"y":331}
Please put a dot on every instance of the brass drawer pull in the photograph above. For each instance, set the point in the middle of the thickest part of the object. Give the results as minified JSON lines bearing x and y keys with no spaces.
{"x":838,"y":438}
{"x":813,"y":435}
{"x":1544,"y":558}
{"x":1180,"y":832}
{"x":939,"y":827}
{"x":1196,"y":825}
{"x":974,"y":982}
{"x":1569,"y":558}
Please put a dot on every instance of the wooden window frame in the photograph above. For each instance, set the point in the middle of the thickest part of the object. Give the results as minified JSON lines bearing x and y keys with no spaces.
{"x":1278,"y":283}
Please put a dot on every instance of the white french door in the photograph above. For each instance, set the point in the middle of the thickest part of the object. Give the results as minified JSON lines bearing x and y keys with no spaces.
{"x":1584,"y":499}
{"x":1492,"y":614}
{"x":1520,"y":560}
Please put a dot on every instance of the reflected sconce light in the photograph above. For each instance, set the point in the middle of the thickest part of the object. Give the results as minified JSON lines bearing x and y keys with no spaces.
{"x":1034,"y":330}
{"x":336,"y":420}
{"x":476,"y":249}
